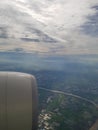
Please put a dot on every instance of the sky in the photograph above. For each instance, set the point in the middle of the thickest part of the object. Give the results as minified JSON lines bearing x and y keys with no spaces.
{"x":49,"y":27}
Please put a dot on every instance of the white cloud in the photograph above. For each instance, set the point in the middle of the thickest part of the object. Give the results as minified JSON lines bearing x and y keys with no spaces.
{"x":59,"y":19}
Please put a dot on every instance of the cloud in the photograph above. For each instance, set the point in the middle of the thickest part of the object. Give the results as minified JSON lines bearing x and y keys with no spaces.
{"x":91,"y":26}
{"x":3,"y":32}
{"x":38,"y":36}
{"x":53,"y":27}
{"x":30,"y":40}
{"x":18,"y":50}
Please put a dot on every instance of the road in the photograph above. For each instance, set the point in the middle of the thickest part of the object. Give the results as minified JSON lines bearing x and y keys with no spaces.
{"x":95,"y":125}
{"x":70,"y":94}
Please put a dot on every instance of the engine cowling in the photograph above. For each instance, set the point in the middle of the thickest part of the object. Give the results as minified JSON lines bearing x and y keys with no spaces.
{"x":18,"y":101}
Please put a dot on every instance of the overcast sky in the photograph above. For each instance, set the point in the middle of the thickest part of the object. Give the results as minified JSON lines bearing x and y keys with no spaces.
{"x":49,"y":26}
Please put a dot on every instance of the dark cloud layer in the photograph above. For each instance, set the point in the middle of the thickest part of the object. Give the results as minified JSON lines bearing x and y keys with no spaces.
{"x":3,"y":32}
{"x":91,"y":27}
{"x":30,"y":40}
{"x":40,"y":36}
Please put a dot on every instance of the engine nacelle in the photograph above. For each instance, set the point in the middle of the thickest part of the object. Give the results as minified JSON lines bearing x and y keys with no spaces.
{"x":18,"y":101}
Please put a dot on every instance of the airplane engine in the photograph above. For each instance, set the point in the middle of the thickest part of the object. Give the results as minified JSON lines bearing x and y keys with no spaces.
{"x":18,"y":101}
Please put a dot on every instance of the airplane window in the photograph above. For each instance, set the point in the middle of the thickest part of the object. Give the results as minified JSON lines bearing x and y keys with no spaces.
{"x":57,"y":41}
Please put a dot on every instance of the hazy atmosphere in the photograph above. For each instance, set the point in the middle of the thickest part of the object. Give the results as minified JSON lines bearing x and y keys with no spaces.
{"x":57,"y":41}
